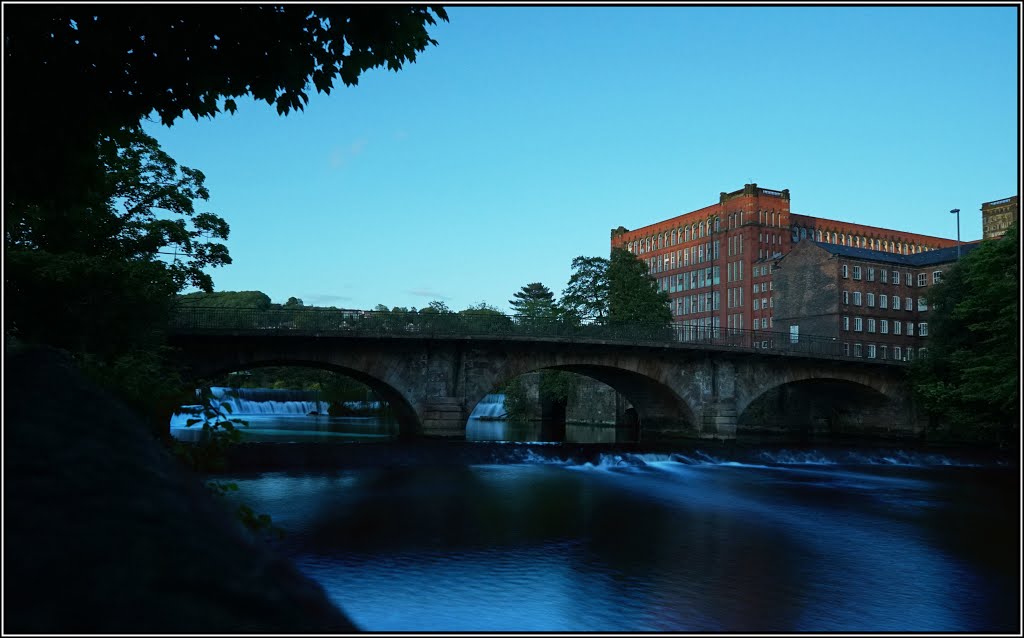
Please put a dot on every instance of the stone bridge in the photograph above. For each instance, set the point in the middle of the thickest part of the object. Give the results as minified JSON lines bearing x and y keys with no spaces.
{"x":676,"y":389}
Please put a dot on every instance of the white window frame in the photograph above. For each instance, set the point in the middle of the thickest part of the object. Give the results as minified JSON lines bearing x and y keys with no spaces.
{"x":858,"y":324}
{"x":871,"y":351}
{"x":883,"y":326}
{"x":883,"y":301}
{"x":922,"y":279}
{"x":922,"y":329}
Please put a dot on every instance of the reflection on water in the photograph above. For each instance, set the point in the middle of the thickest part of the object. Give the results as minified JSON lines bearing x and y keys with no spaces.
{"x":296,"y":428}
{"x":657,"y":542}
{"x":492,"y":430}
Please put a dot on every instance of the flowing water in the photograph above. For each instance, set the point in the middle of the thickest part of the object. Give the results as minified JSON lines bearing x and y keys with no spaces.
{"x":702,"y":539}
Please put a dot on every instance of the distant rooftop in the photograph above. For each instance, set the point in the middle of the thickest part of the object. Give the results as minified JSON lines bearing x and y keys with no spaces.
{"x":927,"y":258}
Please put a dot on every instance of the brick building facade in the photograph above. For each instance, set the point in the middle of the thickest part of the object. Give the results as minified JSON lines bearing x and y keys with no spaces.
{"x":715,"y":263}
{"x":999,"y":215}
{"x":871,"y":302}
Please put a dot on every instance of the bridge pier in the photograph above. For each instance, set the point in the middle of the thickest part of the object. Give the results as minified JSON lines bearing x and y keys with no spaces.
{"x":443,"y":417}
{"x":718,"y":419}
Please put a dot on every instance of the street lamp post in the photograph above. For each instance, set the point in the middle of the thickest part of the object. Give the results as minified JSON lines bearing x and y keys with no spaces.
{"x":957,"y":211}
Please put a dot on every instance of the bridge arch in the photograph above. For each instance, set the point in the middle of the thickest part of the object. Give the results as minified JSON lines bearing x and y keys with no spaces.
{"x":402,"y":408}
{"x":807,"y":401}
{"x":657,"y":405}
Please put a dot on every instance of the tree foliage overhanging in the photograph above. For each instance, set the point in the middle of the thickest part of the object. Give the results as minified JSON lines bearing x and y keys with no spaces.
{"x":971,"y":376}
{"x":91,"y":201}
{"x":75,"y":72}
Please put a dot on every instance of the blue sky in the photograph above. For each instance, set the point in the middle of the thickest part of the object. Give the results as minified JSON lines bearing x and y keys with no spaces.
{"x":528,"y":133}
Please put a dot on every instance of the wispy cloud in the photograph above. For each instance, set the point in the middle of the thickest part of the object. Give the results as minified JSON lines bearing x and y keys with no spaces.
{"x":340,"y":156}
{"x":321,"y":299}
{"x":420,"y":292}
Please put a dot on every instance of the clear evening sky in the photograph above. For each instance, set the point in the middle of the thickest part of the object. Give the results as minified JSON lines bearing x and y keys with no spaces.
{"x":528,"y":133}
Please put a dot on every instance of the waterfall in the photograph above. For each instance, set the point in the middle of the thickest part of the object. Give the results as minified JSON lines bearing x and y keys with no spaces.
{"x":491,"y":407}
{"x":269,"y":401}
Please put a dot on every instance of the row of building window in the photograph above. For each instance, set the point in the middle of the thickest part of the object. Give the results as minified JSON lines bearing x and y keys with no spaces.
{"x":695,"y":304}
{"x":856,"y":298}
{"x":682,"y":258}
{"x":883,"y":326}
{"x":883,"y":276}
{"x":676,"y":236}
{"x":700,"y":278}
{"x":881,"y":351}
{"x":858,"y":241}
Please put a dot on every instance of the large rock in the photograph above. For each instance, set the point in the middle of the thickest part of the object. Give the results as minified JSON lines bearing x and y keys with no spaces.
{"x":104,"y":532}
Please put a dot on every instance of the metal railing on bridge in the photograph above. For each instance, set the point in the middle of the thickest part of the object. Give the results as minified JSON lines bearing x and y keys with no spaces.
{"x":366,"y":323}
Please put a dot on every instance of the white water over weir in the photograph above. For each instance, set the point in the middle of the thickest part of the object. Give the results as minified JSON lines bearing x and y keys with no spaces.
{"x":268,"y":401}
{"x":491,"y":406}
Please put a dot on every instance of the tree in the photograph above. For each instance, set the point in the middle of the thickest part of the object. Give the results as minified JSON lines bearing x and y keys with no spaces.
{"x":438,"y":307}
{"x":533,"y":300}
{"x":585,"y":298}
{"x":293,"y":302}
{"x":970,"y":376}
{"x":99,"y":277}
{"x":617,"y":290}
{"x":633,"y":294}
{"x":123,"y":62}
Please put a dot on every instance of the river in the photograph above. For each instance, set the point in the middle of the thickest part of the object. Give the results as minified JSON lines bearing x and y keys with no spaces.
{"x":702,"y":539}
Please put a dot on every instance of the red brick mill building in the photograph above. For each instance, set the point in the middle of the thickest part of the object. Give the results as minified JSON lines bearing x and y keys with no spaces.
{"x":716,"y":263}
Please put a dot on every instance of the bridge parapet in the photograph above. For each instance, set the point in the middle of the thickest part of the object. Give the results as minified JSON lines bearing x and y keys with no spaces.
{"x":331,"y":322}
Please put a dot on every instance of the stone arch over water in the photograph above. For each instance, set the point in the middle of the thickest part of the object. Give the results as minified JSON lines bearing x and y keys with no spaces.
{"x":402,"y":408}
{"x":822,"y":406}
{"x":657,"y":405}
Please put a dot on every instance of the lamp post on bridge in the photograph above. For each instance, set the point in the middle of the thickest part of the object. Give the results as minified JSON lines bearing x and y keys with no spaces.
{"x":957,"y":211}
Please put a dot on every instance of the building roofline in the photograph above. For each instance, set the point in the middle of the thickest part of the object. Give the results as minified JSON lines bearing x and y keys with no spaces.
{"x":889,"y":230}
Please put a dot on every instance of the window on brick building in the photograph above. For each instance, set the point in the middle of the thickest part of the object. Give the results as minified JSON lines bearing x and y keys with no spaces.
{"x":895,"y":302}
{"x":871,"y":351}
{"x":922,"y":329}
{"x":846,"y":349}
{"x":897,"y":327}
{"x":871,"y":274}
{"x":897,"y":353}
{"x":895,"y":277}
{"x":757,"y":304}
{"x":871,"y":325}
{"x":909,"y":279}
{"x":910,"y":353}
{"x":857,"y":350}
{"x":936,"y":276}
{"x":922,"y":303}
{"x":856,"y":298}
{"x":871,"y":299}
{"x":883,"y":352}
{"x":846,"y":323}
{"x":883,"y":326}
{"x":883,"y":276}
{"x":858,"y":324}
{"x":910,"y":328}
{"x":922,"y":279}
{"x":846,"y":271}
{"x":856,"y":272}
{"x":883,"y":301}
{"x":909,"y":303}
